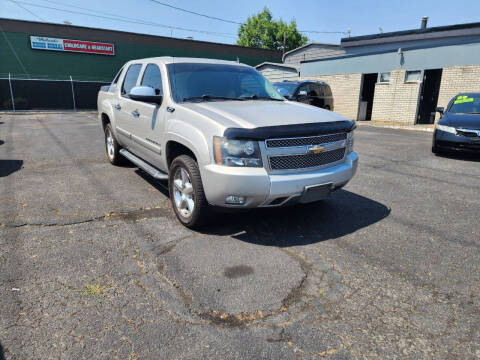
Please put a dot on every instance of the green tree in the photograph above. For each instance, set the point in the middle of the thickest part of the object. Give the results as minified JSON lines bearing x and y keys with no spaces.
{"x":262,"y":31}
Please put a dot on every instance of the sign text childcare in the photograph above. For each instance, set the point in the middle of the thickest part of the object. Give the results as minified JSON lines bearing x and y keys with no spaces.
{"x":90,"y":47}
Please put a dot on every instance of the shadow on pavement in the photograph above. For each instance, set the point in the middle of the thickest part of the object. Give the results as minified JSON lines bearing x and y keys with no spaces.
{"x":465,"y":156}
{"x":344,"y":213}
{"x":2,"y":355}
{"x":341,"y":215}
{"x":8,"y":167}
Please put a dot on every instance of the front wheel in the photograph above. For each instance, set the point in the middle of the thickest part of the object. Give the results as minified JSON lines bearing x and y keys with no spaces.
{"x":112,"y":147}
{"x":186,"y":192}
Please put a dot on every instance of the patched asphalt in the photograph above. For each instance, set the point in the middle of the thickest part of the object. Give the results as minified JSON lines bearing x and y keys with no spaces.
{"x":94,"y":265}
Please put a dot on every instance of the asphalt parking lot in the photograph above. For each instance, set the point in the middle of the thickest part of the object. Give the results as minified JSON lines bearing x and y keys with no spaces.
{"x":94,"y":265}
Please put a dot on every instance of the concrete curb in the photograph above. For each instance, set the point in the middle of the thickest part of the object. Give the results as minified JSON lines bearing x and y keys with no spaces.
{"x":424,"y":128}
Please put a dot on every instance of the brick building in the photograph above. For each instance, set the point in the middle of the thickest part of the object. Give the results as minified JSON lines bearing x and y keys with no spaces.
{"x":399,"y":77}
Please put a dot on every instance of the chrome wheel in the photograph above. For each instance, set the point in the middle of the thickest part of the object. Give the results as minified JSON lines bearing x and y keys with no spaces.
{"x":110,"y":146}
{"x":183,"y":192}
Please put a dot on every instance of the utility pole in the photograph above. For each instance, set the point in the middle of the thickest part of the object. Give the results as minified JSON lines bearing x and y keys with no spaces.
{"x":11,"y":92}
{"x":284,"y":41}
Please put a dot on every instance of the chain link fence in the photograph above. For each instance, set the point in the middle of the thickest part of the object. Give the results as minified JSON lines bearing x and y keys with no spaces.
{"x":44,"y":94}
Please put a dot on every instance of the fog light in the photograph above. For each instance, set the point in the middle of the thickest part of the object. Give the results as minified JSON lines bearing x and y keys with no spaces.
{"x":235,"y":200}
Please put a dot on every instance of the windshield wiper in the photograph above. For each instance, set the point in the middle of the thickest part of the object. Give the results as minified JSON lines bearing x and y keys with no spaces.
{"x":206,"y":97}
{"x":256,"y":97}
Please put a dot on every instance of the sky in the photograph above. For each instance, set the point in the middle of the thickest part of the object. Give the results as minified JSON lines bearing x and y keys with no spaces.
{"x":361,"y":17}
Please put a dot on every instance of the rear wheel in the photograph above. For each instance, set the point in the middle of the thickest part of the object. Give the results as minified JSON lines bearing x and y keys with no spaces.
{"x":112,"y":147}
{"x":186,"y":192}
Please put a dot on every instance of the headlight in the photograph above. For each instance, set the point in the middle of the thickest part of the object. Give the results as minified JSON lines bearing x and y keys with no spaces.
{"x":230,"y":152}
{"x":448,"y":129}
{"x":350,"y":141}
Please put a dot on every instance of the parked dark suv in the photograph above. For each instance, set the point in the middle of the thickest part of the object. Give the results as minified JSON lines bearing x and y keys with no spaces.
{"x":313,"y":93}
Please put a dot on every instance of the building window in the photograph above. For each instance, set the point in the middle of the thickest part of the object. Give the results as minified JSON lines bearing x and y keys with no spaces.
{"x":413,"y":76}
{"x":384,"y":77}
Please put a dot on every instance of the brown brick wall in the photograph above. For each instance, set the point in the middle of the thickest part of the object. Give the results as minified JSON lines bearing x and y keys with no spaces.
{"x":397,"y":100}
{"x":457,"y":79}
{"x":345,"y":90}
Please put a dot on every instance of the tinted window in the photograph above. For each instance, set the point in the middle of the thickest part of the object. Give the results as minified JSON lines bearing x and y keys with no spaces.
{"x":190,"y":80}
{"x":328,"y":91}
{"x":318,"y":89}
{"x":153,"y":78}
{"x":286,"y":89}
{"x":466,"y":104}
{"x":131,"y":78}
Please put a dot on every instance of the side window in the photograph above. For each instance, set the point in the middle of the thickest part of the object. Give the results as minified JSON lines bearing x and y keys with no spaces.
{"x":328,"y":91}
{"x":153,"y":78}
{"x":319,"y":89}
{"x":312,"y":91}
{"x":131,"y":78}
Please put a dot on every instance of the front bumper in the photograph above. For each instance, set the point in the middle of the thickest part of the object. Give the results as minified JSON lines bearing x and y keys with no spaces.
{"x":263,"y":190}
{"x":448,"y":141}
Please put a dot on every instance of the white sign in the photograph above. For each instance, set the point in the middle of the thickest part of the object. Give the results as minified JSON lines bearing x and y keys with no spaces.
{"x":55,"y":44}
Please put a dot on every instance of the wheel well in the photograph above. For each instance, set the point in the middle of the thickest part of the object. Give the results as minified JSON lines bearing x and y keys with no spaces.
{"x":174,"y":149}
{"x":105,"y":121}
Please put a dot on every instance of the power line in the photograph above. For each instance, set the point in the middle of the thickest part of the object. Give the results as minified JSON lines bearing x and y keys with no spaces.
{"x":13,"y":51}
{"x":30,"y":12}
{"x":239,"y":23}
{"x":196,"y":13}
{"x":125,"y":19}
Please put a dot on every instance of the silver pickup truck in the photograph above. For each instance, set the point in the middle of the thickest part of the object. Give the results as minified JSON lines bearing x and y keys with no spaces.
{"x":222,"y":136}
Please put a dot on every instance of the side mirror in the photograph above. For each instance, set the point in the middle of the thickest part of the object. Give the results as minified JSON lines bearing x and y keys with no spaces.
{"x":440,"y":109}
{"x":145,"y":94}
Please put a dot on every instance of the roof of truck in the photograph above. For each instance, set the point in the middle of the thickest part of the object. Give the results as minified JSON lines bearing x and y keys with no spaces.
{"x":172,"y":60}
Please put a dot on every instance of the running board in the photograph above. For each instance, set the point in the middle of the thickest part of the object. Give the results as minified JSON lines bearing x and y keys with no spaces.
{"x":154,"y":172}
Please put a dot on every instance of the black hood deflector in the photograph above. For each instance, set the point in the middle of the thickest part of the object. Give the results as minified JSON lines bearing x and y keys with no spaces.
{"x":295,"y":130}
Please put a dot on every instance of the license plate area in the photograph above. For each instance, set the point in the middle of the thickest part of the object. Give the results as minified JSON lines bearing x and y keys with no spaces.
{"x":316,"y":192}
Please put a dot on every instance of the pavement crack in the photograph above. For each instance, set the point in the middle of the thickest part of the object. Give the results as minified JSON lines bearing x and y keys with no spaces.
{"x":130,"y":216}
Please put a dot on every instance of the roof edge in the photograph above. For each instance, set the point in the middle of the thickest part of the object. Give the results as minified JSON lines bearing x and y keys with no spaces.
{"x":410,"y":32}
{"x":307,"y":45}
{"x":2,"y":19}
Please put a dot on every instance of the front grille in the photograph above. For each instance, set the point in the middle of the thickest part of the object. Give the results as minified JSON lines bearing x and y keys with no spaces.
{"x":303,"y":141}
{"x":304,"y":161}
{"x":472,"y":133}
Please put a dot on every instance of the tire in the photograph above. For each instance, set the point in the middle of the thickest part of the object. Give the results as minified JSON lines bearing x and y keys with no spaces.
{"x":112,"y":147}
{"x":185,"y":185}
{"x":327,"y":107}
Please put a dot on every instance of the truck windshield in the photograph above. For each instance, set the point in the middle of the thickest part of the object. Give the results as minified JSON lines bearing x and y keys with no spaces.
{"x":214,"y":82}
{"x":466,"y":104}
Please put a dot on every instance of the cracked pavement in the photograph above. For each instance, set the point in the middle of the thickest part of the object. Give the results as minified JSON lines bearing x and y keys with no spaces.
{"x":94,"y":265}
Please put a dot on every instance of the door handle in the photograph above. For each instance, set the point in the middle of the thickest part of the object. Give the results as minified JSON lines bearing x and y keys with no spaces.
{"x":135,"y":113}
{"x":118,"y":107}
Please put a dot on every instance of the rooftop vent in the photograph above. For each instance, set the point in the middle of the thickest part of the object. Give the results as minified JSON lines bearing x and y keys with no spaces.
{"x":424,"y":22}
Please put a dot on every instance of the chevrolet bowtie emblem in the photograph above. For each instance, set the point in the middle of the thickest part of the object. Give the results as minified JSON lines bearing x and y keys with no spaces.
{"x":315,"y":149}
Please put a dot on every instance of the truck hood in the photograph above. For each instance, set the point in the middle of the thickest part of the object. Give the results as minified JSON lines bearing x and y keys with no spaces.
{"x":260,"y":113}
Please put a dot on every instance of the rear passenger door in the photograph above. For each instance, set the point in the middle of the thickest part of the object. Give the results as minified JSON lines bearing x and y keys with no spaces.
{"x":149,"y":122}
